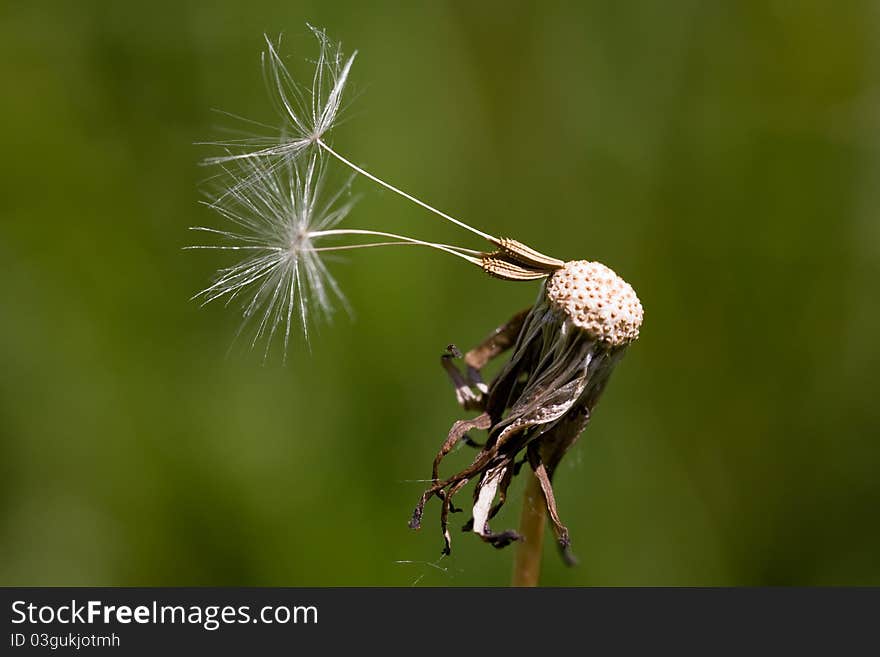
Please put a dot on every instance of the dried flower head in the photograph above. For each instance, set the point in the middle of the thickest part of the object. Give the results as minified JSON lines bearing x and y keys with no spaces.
{"x":597,"y":301}
{"x":564,"y":351}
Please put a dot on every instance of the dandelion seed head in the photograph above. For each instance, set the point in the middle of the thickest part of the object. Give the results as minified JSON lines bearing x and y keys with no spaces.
{"x":596,"y":300}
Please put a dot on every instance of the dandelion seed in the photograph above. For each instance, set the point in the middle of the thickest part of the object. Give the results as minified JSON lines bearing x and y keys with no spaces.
{"x":273,"y":222}
{"x":309,"y":113}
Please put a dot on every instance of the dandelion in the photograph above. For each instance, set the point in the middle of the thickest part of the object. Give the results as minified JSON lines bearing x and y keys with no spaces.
{"x":563,"y":349}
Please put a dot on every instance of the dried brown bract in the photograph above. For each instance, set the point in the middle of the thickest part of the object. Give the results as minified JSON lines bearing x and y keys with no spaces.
{"x":564,"y":350}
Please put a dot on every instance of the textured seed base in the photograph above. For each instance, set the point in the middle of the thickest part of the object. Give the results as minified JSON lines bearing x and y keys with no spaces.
{"x":597,"y":300}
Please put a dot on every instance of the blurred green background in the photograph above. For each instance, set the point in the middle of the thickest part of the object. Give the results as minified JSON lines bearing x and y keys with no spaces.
{"x":723,"y":157}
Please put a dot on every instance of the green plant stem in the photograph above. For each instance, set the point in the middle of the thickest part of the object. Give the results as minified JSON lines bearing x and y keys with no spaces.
{"x":527,"y":563}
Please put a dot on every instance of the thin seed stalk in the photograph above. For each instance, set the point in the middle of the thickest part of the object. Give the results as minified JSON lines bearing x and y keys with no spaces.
{"x":527,"y":563}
